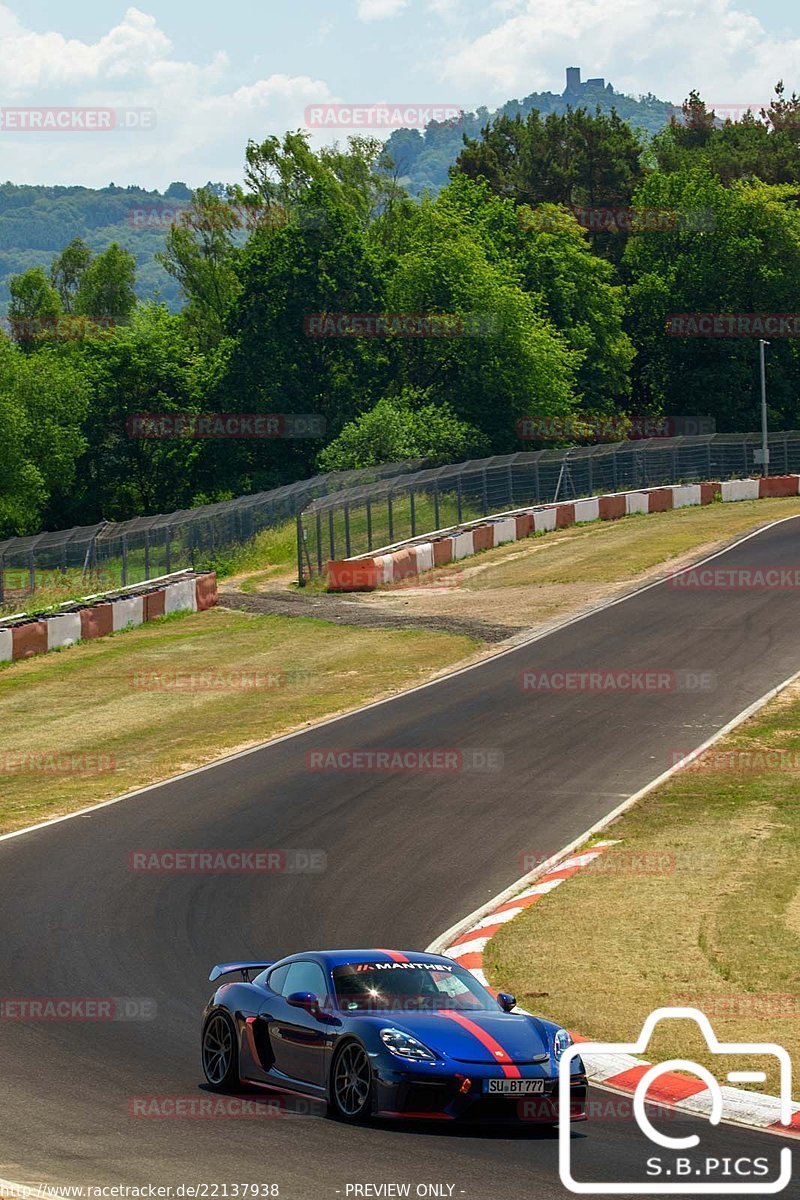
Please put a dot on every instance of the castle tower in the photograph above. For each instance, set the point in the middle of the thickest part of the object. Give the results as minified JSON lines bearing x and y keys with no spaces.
{"x":573,"y":80}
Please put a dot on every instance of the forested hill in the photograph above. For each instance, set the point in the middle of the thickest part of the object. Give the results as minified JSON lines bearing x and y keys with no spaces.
{"x":422,"y":160}
{"x":37,"y":222}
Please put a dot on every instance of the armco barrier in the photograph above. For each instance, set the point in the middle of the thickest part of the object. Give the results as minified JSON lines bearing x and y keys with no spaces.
{"x":417,"y":557}
{"x":21,"y":637}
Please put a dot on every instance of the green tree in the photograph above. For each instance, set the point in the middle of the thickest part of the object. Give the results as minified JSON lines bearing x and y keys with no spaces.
{"x":106,"y":290}
{"x":67,"y":270}
{"x":401,"y":427}
{"x":35,"y":307}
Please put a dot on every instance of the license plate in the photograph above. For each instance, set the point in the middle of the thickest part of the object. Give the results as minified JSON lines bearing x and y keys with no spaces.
{"x":513,"y":1087}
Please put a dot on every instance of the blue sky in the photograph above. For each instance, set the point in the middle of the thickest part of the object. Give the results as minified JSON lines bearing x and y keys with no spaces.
{"x":216,"y":74}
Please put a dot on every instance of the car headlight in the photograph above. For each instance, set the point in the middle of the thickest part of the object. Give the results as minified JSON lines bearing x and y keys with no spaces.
{"x":561,"y":1042}
{"x":405,"y":1046}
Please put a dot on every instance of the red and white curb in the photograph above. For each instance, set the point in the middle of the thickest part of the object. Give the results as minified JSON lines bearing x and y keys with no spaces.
{"x":618,"y":1072}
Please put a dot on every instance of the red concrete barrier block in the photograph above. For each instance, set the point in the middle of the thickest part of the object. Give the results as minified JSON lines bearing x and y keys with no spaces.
{"x":205,"y":588}
{"x":660,"y":499}
{"x":707,"y":492}
{"x":482,"y":537}
{"x":777,"y":485}
{"x":525,"y":525}
{"x":612,"y":507}
{"x":28,"y":639}
{"x":359,"y":575}
{"x":405,"y":564}
{"x":97,"y":621}
{"x":154,"y":605}
{"x":565,"y":515}
{"x":442,"y":551}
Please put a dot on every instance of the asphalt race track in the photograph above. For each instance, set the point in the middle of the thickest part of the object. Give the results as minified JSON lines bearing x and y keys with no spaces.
{"x":408,"y":854}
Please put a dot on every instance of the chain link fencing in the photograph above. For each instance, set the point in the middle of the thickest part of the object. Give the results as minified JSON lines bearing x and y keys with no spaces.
{"x":372,"y":517}
{"x":102,"y":557}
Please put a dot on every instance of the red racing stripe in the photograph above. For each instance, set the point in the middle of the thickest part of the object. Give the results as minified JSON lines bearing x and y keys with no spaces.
{"x":394,"y":955}
{"x":510,"y":1070}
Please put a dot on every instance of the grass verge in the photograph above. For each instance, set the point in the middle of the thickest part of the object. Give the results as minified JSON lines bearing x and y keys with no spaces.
{"x":699,"y":904}
{"x":84,"y":724}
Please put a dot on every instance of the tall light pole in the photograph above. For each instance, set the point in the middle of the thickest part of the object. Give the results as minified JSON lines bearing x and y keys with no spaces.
{"x":764,"y":433}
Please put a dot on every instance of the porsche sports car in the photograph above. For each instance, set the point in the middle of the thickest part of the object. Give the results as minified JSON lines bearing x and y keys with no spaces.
{"x":380,"y":1033}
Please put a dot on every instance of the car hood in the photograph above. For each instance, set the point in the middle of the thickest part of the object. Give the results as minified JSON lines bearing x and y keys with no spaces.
{"x":476,"y":1037}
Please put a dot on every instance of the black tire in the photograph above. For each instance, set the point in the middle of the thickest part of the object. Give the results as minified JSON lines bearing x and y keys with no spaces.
{"x":351,"y":1084}
{"x":220,"y":1052}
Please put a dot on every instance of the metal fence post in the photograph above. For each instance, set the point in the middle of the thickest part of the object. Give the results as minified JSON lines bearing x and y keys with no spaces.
{"x":485,"y":494}
{"x":301,"y":582}
{"x":369,"y":523}
{"x":124,"y":560}
{"x":147,"y":553}
{"x":331,"y":537}
{"x":411,"y":498}
{"x":319,"y":541}
{"x":458,"y":497}
{"x":390,"y":515}
{"x":510,"y":483}
{"x":167,"y":551}
{"x":346,"y":530}
{"x":32,"y":572}
{"x":436,"y":504}
{"x":2,"y":570}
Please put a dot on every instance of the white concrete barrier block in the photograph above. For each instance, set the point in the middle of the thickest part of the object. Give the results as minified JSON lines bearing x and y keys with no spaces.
{"x":424,"y":551}
{"x":181,"y":597}
{"x":636,"y":502}
{"x":740,"y":489}
{"x":463,"y":545}
{"x":127,"y":612}
{"x":587,"y":510}
{"x":386,"y":564}
{"x":63,"y":630}
{"x":544,"y":520}
{"x":6,"y":645}
{"x":685,"y":494}
{"x":505,"y":531}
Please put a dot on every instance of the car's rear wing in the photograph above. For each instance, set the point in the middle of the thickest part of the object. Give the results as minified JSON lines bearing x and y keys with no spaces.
{"x":245,"y":967}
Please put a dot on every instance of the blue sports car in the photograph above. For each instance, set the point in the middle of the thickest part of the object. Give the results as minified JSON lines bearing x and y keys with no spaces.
{"x":380,"y":1033}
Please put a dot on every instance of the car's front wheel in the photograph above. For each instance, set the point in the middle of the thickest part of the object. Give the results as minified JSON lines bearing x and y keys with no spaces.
{"x":220,"y":1053}
{"x":351,"y":1084}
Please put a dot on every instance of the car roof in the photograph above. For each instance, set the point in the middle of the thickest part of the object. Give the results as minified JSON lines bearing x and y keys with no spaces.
{"x":338,"y":958}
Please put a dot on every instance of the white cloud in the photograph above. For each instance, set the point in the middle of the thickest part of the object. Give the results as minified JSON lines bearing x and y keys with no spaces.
{"x":202,"y":122}
{"x":379,"y":10}
{"x":639,"y":46}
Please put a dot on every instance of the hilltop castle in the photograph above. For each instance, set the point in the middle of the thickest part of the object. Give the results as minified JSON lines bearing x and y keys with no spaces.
{"x":576,"y":88}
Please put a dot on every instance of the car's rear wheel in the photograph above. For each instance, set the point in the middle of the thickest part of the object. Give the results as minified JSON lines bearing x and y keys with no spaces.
{"x":351,"y":1083}
{"x":220,"y":1053}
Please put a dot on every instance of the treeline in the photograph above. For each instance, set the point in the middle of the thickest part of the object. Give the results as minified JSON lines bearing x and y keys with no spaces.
{"x":537,"y":287}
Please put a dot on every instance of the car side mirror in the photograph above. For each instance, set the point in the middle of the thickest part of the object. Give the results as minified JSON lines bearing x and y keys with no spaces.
{"x":506,"y":1001}
{"x":306,"y":1000}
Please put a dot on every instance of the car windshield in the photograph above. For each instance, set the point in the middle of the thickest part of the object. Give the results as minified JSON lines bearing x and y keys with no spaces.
{"x":372,"y":986}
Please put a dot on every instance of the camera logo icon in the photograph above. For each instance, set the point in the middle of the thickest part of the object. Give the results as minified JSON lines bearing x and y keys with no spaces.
{"x":677,"y":1172}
